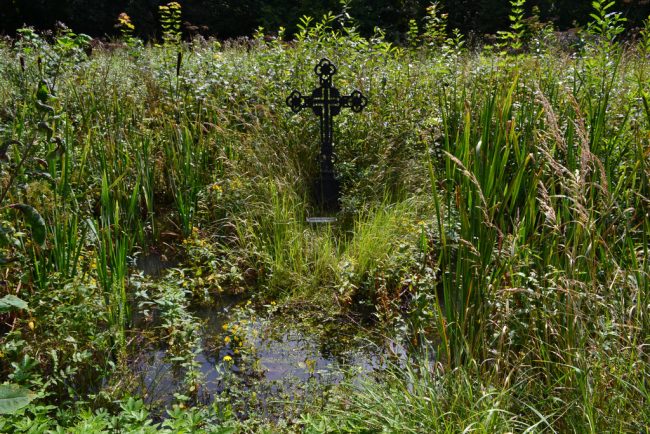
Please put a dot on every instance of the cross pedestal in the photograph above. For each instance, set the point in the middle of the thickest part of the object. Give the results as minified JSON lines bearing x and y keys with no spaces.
{"x":326,"y":102}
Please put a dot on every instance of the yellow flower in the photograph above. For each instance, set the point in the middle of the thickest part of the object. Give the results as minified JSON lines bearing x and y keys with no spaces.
{"x":236,"y":351}
{"x":226,"y":339}
{"x":227,"y":359}
{"x":224,"y":327}
{"x":30,"y":325}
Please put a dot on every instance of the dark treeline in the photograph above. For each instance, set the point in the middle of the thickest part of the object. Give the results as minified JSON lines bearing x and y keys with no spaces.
{"x":232,"y":18}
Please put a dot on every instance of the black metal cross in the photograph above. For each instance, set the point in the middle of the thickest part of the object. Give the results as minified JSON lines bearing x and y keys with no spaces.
{"x":326,"y":102}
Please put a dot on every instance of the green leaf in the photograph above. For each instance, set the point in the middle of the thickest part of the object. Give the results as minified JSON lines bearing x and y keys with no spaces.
{"x":44,"y":107}
{"x":13,"y":398}
{"x":39,"y":174}
{"x":4,"y":148}
{"x":43,"y":127}
{"x":11,"y":302}
{"x":34,"y":220}
{"x":43,"y":92}
{"x":4,"y":261}
{"x":6,"y":238}
{"x":58,"y":151}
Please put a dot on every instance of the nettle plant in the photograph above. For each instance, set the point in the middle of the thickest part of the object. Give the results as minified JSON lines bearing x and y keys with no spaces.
{"x":605,"y":25}
{"x":170,"y":20}
{"x":412,"y":35}
{"x":127,"y":29}
{"x":69,"y":49}
{"x":435,"y":26}
{"x":513,"y":38}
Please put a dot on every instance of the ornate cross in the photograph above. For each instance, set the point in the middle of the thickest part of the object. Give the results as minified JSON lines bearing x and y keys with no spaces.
{"x":326,"y":102}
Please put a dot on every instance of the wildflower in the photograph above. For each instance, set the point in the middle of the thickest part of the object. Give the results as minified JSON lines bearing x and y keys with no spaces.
{"x":227,"y":359}
{"x":236,"y":184}
{"x":31,"y":325}
{"x":224,"y":327}
{"x":226,"y":339}
{"x":217,"y":188}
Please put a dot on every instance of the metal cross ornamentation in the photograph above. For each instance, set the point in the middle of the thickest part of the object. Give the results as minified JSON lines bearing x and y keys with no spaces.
{"x":326,"y":102}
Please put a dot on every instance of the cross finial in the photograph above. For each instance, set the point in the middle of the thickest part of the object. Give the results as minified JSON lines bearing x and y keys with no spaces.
{"x":325,"y":70}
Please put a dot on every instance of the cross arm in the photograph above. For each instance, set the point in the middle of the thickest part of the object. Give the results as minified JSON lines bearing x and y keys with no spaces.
{"x":298,"y":102}
{"x":356,"y":101}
